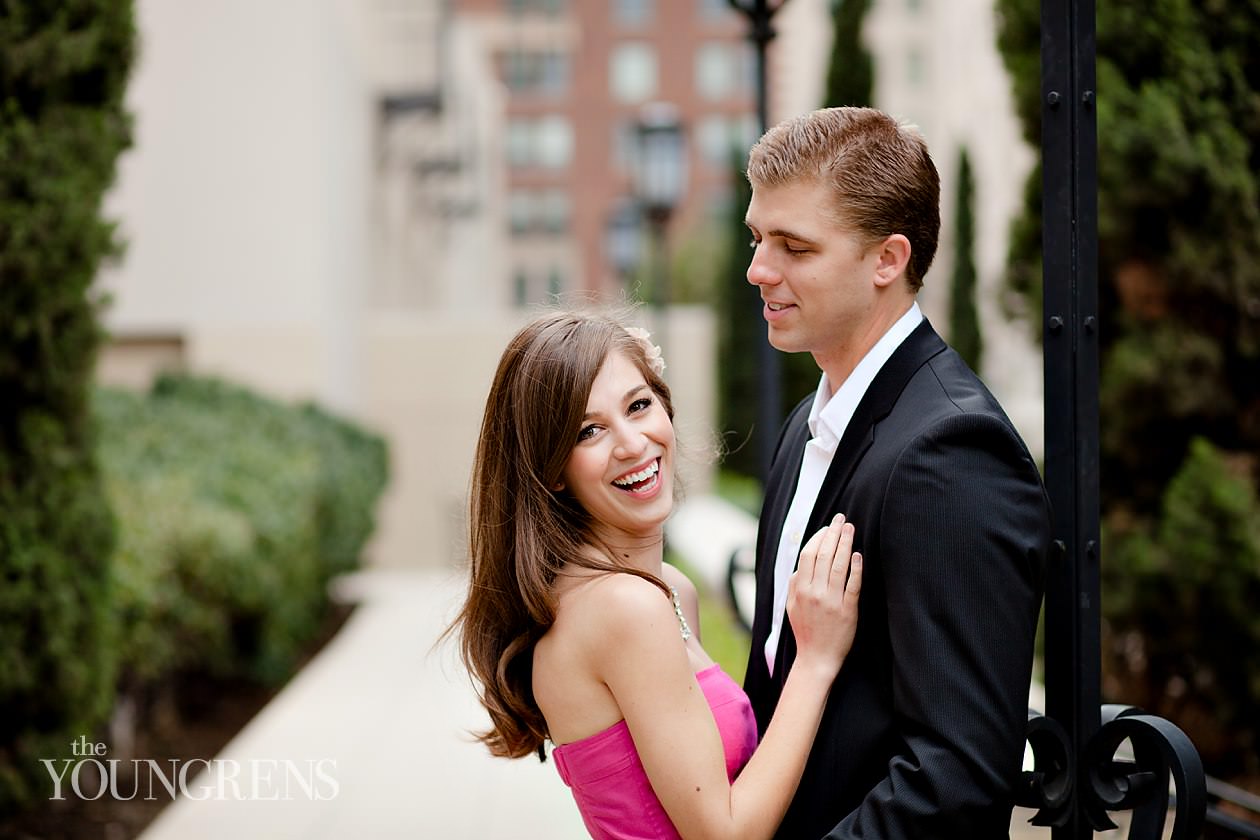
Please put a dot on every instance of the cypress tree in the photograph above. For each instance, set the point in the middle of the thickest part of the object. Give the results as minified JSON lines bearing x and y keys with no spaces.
{"x":964,"y":320}
{"x":850,"y":74}
{"x":63,"y":71}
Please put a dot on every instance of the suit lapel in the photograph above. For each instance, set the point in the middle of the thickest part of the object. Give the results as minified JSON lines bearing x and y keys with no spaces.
{"x":785,"y":472}
{"x":885,"y":389}
{"x":878,"y":401}
{"x":920,"y":346}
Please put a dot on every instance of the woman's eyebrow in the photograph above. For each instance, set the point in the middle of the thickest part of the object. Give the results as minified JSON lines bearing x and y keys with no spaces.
{"x":636,"y":389}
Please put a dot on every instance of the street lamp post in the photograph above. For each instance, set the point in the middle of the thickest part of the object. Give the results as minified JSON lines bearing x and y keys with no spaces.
{"x":759,"y":14}
{"x":660,"y":181}
{"x":623,"y":239}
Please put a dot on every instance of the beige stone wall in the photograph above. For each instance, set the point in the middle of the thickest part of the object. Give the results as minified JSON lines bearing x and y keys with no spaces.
{"x":244,"y":199}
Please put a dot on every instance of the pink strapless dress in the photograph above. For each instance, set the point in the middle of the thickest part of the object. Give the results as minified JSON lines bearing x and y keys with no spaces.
{"x":610,"y":785}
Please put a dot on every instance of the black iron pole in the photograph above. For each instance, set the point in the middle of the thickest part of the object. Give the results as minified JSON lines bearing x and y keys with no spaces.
{"x":1071,"y":325}
{"x":1078,"y":780}
{"x":769,"y":367}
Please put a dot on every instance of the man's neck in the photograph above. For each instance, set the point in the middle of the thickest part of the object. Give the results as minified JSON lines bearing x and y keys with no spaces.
{"x":841,"y":365}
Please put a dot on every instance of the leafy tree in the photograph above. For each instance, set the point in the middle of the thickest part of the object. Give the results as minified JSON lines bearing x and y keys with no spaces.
{"x":964,"y":320}
{"x":1179,"y":289}
{"x":63,"y":70}
{"x":851,"y":73}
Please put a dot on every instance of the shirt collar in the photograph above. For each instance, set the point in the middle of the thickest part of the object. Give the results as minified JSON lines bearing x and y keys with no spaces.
{"x":830,"y":414}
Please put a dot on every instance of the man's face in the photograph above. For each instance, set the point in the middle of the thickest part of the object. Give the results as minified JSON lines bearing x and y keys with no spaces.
{"x":815,"y":277}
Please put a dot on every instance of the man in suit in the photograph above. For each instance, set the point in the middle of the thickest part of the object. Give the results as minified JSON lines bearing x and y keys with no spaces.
{"x":923,"y":733}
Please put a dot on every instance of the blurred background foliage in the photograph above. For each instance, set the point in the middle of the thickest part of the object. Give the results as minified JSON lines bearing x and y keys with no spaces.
{"x":144,"y":537}
{"x":1179,"y":289}
{"x":234,"y":513}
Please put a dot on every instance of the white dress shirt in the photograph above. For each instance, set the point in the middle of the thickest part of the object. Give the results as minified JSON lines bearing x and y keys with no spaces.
{"x":828,"y":418}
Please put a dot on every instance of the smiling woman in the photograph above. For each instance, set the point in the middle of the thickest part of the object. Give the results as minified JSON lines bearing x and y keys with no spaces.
{"x":621,"y":470}
{"x":579,"y":633}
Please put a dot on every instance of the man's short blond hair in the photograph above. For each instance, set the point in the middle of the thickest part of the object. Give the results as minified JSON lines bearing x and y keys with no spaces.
{"x":881,"y":176}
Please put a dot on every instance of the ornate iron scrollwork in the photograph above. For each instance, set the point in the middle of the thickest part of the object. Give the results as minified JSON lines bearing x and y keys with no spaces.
{"x":1048,"y":786}
{"x":1161,"y":752}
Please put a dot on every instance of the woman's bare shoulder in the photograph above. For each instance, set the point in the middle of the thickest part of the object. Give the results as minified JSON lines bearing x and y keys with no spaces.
{"x":620,"y":597}
{"x":682,"y":584}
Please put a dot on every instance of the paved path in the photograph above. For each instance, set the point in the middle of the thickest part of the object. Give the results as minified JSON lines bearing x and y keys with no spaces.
{"x":393,"y":715}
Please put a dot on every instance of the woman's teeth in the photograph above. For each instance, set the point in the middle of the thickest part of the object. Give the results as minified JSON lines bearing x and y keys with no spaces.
{"x":628,"y":481}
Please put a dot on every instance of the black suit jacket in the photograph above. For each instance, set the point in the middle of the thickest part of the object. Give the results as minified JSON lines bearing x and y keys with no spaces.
{"x":923,"y":732}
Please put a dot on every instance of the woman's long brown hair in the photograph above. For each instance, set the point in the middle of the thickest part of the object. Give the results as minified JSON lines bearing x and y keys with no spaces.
{"x":522,"y":530}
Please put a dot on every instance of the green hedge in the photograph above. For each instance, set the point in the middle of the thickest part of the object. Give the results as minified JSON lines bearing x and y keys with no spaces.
{"x":234,"y":512}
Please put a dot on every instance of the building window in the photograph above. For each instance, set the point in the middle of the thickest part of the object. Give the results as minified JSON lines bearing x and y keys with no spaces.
{"x":633,"y":12}
{"x":632,"y":72}
{"x":721,"y":140}
{"x":556,"y":73}
{"x":520,"y":142}
{"x":544,"y":141}
{"x":714,"y":70}
{"x":554,"y":142}
{"x":555,"y":211}
{"x":546,"y":211}
{"x":547,"y":7}
{"x":537,"y":72}
{"x":711,"y":140}
{"x":713,"y":9}
{"x":723,"y":69}
{"x":533,"y":285}
{"x":520,"y":207}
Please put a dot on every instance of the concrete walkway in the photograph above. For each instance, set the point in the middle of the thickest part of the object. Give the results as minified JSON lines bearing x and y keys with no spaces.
{"x":393,"y":715}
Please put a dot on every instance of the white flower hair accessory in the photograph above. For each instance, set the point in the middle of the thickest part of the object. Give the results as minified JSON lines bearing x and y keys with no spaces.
{"x":653,"y":353}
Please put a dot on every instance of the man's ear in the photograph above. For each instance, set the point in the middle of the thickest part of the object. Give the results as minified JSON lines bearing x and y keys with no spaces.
{"x":894,"y":256}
